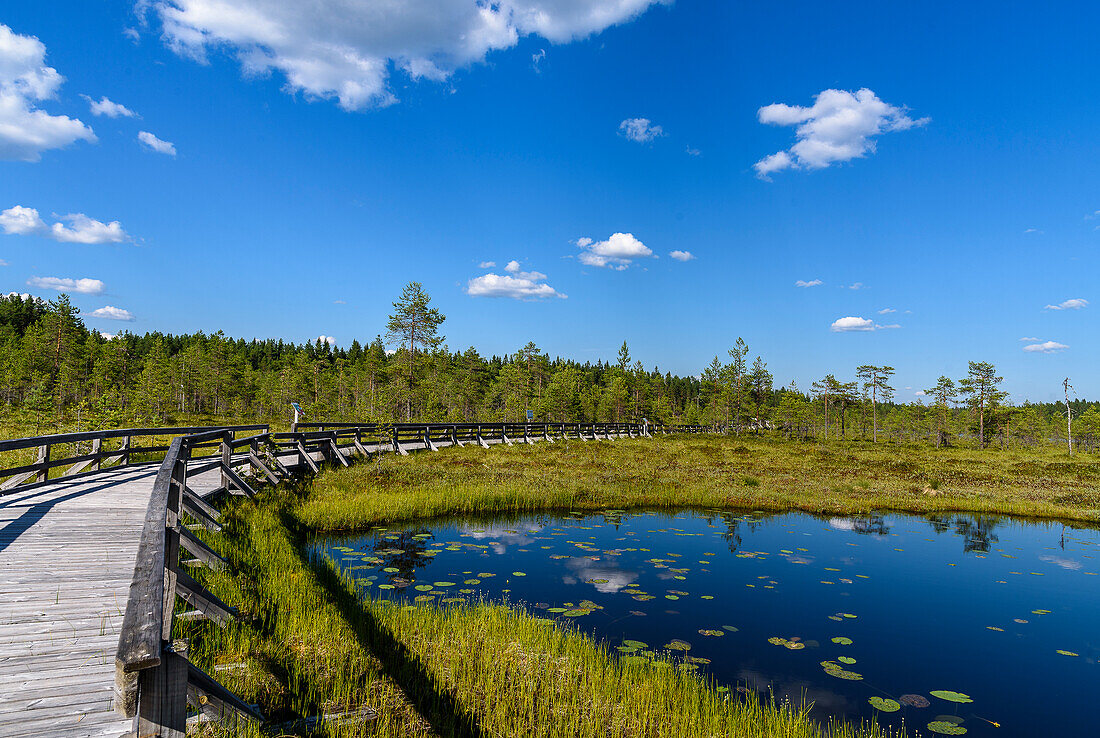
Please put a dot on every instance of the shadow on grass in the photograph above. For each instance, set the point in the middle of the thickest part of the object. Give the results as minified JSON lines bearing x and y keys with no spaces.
{"x":420,"y":687}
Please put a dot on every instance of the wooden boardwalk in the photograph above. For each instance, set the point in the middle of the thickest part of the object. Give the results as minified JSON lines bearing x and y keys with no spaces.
{"x":67,"y":553}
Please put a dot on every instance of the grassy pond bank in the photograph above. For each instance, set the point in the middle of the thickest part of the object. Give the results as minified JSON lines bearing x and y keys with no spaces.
{"x":320,"y":640}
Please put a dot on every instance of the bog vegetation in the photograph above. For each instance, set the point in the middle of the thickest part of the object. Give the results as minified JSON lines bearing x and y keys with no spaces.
{"x":316,"y":647}
{"x":57,"y":374}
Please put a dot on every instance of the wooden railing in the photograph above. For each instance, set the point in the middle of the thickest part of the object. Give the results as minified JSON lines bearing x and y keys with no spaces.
{"x":91,"y":451}
{"x":154,"y":680}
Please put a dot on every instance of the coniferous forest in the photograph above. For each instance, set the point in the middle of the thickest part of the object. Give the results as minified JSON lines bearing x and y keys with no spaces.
{"x":57,"y":374}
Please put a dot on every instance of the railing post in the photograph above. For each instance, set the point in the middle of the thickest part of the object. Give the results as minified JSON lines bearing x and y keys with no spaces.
{"x":227,"y":456}
{"x":43,"y":458}
{"x":125,"y":458}
{"x":97,"y":448}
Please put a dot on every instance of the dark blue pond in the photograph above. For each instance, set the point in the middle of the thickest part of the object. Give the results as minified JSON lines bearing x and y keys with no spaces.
{"x":1002,"y":611}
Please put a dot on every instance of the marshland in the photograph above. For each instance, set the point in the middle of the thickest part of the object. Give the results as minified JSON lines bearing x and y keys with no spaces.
{"x":694,"y":585}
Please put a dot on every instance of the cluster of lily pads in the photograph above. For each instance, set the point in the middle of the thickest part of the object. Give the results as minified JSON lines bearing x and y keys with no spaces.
{"x":943,"y":724}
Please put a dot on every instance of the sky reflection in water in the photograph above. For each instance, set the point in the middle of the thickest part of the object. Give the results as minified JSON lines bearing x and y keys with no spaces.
{"x":971,"y":604}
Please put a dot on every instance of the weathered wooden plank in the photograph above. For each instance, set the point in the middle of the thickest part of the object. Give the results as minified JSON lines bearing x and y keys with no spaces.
{"x":140,"y":644}
{"x":162,"y":706}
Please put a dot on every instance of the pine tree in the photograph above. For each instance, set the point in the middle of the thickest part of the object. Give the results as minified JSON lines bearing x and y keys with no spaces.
{"x":982,"y":393}
{"x":412,"y":325}
{"x":875,"y":379}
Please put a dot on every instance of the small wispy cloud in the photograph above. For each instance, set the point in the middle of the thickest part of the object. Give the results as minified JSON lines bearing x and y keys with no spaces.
{"x":853,"y":323}
{"x":690,"y":151}
{"x":681,"y":255}
{"x":109,"y":108}
{"x":1076,"y":303}
{"x":486,"y":265}
{"x":158,"y":145}
{"x":83,"y":286}
{"x":110,"y":312}
{"x":640,"y":130}
{"x":1032,"y":230}
{"x":886,"y":311}
{"x":855,"y":286}
{"x":810,"y":283}
{"x":339,"y":302}
{"x":1046,"y":347}
{"x":1029,"y":338}
{"x":537,"y":58}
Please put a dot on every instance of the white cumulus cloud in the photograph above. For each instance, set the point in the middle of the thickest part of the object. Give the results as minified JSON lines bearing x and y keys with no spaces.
{"x":346,"y":50}
{"x":515,"y":284}
{"x":853,"y":323}
{"x":72,"y":228}
{"x":110,"y":312}
{"x":109,"y":108}
{"x":25,"y":81}
{"x":83,"y":286}
{"x":838,"y":127}
{"x":155,"y":144}
{"x":330,"y":340}
{"x":679,"y":255}
{"x":640,"y":130}
{"x":810,"y":283}
{"x":1046,"y":347}
{"x":1076,"y":303}
{"x":618,"y":252}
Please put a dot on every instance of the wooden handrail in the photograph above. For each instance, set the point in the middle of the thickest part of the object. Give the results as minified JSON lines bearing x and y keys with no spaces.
{"x":36,"y":473}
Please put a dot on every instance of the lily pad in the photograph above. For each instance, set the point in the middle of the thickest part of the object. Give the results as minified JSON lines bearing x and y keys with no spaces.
{"x":1066,"y":653}
{"x":712,"y":633}
{"x":842,"y":640}
{"x":730,"y":628}
{"x":677,"y":645}
{"x":950,"y":696}
{"x":884,"y":705}
{"x":914,"y":700}
{"x":834,"y":669}
{"x":846,"y":660}
{"x":945,"y":728}
{"x":575,"y":613}
{"x":519,"y":574}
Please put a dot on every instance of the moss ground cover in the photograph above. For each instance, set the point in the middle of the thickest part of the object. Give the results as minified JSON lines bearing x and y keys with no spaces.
{"x":311,"y":646}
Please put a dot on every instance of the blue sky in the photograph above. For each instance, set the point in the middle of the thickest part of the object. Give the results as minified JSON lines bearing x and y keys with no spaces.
{"x":284,"y":189}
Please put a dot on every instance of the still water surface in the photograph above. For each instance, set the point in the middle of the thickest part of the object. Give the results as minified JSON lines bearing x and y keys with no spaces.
{"x":1003,"y":611}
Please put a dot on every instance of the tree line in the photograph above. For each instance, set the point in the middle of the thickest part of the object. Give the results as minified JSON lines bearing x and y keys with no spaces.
{"x":57,"y":373}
